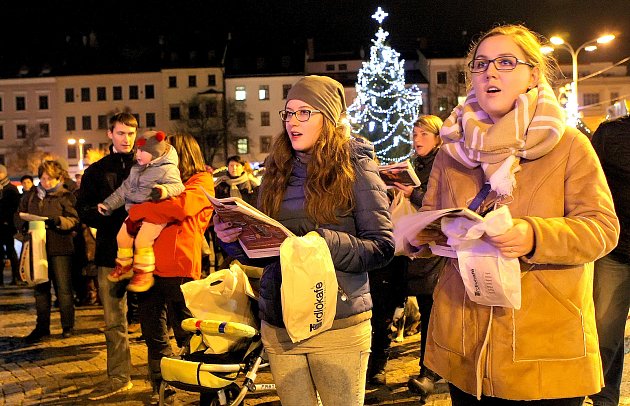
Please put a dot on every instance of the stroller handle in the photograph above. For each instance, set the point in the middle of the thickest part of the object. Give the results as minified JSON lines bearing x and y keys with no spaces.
{"x":219,"y":328}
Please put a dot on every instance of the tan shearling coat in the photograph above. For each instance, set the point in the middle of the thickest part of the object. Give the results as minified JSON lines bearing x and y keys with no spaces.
{"x":548,"y":348}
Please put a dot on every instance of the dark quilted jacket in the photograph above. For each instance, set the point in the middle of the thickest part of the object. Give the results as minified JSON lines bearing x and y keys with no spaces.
{"x":361,"y":242}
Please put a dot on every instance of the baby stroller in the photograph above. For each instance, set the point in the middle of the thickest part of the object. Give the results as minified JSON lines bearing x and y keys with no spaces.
{"x":226,"y":351}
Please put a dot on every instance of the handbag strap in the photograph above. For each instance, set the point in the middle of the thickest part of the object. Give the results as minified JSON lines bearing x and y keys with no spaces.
{"x":481,"y":196}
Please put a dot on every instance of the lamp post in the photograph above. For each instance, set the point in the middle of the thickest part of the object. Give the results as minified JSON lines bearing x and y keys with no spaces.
{"x":81,"y":141}
{"x":588,"y":46}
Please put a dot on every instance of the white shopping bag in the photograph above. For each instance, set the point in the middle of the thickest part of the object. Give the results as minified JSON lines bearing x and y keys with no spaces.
{"x":489,"y":278}
{"x":33,"y":259}
{"x":224,"y":296}
{"x":309,"y":286}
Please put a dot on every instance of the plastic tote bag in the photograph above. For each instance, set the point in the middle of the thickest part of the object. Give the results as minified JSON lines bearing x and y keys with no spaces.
{"x":224,"y":296}
{"x":309,"y":286}
{"x":400,"y":207}
{"x":33,"y":259}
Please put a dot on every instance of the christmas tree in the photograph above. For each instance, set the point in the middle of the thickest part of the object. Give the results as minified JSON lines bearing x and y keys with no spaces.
{"x":385,"y":110}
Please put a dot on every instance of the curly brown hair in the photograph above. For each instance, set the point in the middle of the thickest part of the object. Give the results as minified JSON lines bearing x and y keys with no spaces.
{"x":329,"y":175}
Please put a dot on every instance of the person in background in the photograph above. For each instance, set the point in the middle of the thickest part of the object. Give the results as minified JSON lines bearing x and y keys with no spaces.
{"x":320,"y":179}
{"x":237,"y":182}
{"x":99,"y":181}
{"x":50,"y":199}
{"x":422,"y":273}
{"x":508,"y":144}
{"x":177,"y":254}
{"x":611,"y":287}
{"x":9,"y":202}
{"x":27,"y":183}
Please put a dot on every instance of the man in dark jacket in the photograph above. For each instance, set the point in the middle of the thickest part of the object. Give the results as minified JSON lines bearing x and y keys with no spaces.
{"x":9,"y":201}
{"x":99,"y":181}
{"x":611,"y":286}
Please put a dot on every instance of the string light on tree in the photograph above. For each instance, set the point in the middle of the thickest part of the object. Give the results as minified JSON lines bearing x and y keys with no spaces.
{"x":385,"y":110}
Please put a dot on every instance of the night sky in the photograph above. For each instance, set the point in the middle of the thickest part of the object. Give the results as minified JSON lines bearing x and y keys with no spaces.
{"x":39,"y":29}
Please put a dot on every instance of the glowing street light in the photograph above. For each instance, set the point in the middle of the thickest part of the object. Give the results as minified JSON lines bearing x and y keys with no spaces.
{"x":588,"y":46}
{"x":81,"y":141}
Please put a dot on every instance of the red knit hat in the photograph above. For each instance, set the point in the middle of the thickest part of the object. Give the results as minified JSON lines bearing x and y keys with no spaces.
{"x":152,"y":142}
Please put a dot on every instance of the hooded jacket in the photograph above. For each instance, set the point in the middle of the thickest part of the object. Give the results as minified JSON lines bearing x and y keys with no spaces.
{"x":549,"y":348}
{"x":178,"y":247}
{"x":361,"y":242}
{"x":143,"y":178}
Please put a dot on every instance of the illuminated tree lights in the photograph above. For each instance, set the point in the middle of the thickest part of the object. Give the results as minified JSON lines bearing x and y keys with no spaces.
{"x":385,"y":110}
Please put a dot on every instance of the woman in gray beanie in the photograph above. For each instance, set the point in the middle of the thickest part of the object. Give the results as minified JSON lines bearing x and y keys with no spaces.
{"x":318,"y":178}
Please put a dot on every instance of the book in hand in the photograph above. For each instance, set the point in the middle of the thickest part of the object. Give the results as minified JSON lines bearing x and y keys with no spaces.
{"x":401,"y":172}
{"x":261,"y":236}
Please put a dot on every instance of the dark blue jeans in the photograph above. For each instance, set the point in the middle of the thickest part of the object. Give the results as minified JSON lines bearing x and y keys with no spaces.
{"x":158,"y":306}
{"x":611,"y":293}
{"x":61,"y":276}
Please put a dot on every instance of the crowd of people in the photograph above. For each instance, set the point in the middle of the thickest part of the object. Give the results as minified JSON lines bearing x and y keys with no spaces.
{"x":142,"y":214}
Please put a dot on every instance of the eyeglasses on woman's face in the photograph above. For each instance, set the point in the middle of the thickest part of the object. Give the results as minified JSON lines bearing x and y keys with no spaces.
{"x":501,"y":63}
{"x":302,"y":115}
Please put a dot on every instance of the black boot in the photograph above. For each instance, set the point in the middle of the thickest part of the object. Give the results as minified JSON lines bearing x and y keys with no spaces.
{"x":424,"y":384}
{"x":376,"y":370}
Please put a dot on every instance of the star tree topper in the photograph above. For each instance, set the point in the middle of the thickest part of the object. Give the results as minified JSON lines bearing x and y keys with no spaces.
{"x":379,"y":15}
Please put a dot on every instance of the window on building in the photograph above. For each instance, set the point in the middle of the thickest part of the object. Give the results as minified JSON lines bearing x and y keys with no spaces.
{"x":242,"y":145}
{"x":212,"y":80}
{"x":102,"y":122}
{"x":69,"y":95}
{"x":149,"y":92}
{"x":343,"y":66}
{"x":442,"y":78}
{"x":264,"y":119}
{"x":194,"y":112}
{"x":240,"y":93}
{"x":133,"y":92}
{"x":86,"y":122}
{"x":172,"y":81}
{"x":192,"y":80}
{"x":330,"y":67}
{"x":101,"y":93}
{"x":175,"y":113}
{"x":265,"y":144}
{"x":44,"y":130}
{"x":2,"y":161}
{"x":117,"y":92}
{"x":72,"y":152}
{"x":43,"y":102}
{"x":71,"y":124}
{"x":285,"y":91}
{"x":150,"y":120}
{"x":263,"y":92}
{"x":0,"y":103}
{"x":590,"y":98}
{"x":241,"y":119}
{"x":20,"y":103}
{"x":461,"y":77}
{"x":212,"y":109}
{"x":20,"y":131}
{"x":614,"y":97}
{"x":1,"y":132}
{"x":442,"y":103}
{"x":85,"y":94}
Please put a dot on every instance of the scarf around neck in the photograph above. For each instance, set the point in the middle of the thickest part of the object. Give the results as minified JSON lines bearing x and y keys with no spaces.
{"x":530,"y":130}
{"x":235,"y":182}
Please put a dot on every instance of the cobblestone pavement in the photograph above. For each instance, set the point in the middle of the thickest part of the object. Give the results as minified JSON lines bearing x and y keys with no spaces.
{"x":61,"y":371}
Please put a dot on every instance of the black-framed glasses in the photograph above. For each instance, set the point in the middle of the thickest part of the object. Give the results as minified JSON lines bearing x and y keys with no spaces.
{"x":301,"y":115}
{"x":502,"y":63}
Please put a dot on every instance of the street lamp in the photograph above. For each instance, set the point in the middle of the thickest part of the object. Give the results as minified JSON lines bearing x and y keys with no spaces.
{"x":588,"y":46}
{"x":81,"y":141}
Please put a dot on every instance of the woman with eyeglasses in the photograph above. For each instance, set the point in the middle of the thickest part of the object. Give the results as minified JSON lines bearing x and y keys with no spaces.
{"x":510,"y":134}
{"x":320,"y":179}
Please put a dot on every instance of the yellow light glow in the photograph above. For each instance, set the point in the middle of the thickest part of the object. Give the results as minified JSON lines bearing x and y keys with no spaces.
{"x":590,"y":48}
{"x":72,"y":141}
{"x":605,"y":38}
{"x":556,"y":40}
{"x":546,"y":49}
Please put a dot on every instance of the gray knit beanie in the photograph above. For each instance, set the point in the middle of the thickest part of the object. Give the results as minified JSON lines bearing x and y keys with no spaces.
{"x":321,"y":92}
{"x":152,"y":142}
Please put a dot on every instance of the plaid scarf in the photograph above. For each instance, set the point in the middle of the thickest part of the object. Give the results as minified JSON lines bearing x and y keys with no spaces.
{"x":530,"y":130}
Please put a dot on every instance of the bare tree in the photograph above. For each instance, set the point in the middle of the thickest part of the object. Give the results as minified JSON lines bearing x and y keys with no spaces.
{"x":27,"y":154}
{"x":201,"y":118}
{"x":447,"y":94}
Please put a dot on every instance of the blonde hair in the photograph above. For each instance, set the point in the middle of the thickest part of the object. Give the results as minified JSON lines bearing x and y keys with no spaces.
{"x":528,"y":41}
{"x":432,"y":124}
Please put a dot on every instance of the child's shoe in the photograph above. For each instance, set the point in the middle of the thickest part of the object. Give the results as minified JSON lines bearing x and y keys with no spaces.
{"x":120,"y":272}
{"x":141,"y":281}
